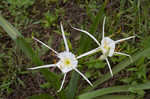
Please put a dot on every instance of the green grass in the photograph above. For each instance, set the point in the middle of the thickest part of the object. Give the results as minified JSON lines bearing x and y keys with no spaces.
{"x":41,"y":19}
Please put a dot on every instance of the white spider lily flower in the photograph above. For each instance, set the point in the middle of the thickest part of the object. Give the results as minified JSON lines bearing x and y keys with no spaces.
{"x":67,"y":60}
{"x":107,"y":45}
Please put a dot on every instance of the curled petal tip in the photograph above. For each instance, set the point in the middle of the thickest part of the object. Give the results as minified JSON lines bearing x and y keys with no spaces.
{"x":112,"y":75}
{"x":132,"y":36}
{"x":104,"y":17}
{"x":91,"y":84}
{"x":60,"y":22}
{"x":58,"y":90}
{"x":62,"y":83}
{"x":30,"y":68}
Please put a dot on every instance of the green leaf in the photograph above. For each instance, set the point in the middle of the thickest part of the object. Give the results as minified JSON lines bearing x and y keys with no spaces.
{"x":27,"y":49}
{"x":104,"y":91}
{"x":120,"y":67}
{"x":145,"y":42}
{"x":117,"y":97}
{"x":71,"y":90}
{"x":12,"y":32}
{"x":92,"y":63}
{"x":84,"y":46}
{"x":98,"y":18}
{"x":45,"y":85}
{"x":41,"y":96}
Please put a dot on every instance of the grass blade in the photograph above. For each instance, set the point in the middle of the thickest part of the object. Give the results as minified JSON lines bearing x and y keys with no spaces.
{"x":41,"y":96}
{"x":84,"y":46}
{"x":71,"y":90}
{"x":117,"y":97}
{"x":27,"y":49}
{"x":124,"y":88}
{"x":12,"y":32}
{"x":119,"y":67}
{"x":98,"y":18}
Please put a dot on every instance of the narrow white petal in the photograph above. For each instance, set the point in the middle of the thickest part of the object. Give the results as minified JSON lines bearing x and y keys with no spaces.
{"x":45,"y":45}
{"x":124,"y":39}
{"x":119,"y":53}
{"x":88,"y":53}
{"x":44,"y":66}
{"x":109,"y":67}
{"x":65,"y":40}
{"x":62,"y":83}
{"x":87,"y":34}
{"x":103,"y":35}
{"x":83,"y":76}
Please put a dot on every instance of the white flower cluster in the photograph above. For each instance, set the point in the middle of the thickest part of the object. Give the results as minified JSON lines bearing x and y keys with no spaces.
{"x":68,"y":61}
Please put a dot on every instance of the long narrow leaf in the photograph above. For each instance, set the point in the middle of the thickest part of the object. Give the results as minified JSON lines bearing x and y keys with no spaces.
{"x":86,"y":43}
{"x":84,"y":46}
{"x":73,"y":84}
{"x":119,"y":67}
{"x":104,"y":91}
{"x":27,"y":49}
{"x":117,"y":97}
{"x":41,"y":96}
{"x":12,"y":32}
{"x":98,"y":18}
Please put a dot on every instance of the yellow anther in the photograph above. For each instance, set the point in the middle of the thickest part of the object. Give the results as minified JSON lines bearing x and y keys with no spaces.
{"x":67,"y":62}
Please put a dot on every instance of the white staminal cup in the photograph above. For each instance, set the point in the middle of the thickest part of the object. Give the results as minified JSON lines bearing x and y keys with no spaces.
{"x":67,"y":61}
{"x":108,"y":46}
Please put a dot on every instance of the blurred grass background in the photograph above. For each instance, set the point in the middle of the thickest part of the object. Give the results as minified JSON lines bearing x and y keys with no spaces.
{"x":41,"y":18}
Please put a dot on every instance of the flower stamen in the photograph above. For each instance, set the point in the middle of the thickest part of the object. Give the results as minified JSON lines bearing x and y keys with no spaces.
{"x":67,"y":62}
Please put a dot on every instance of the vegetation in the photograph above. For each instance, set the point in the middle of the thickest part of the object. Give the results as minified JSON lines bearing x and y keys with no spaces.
{"x":21,"y":20}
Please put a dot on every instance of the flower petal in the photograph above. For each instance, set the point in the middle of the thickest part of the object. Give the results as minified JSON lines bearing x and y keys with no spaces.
{"x":67,"y":61}
{"x":112,"y":49}
{"x":119,"y":53}
{"x":118,"y":41}
{"x":87,"y":34}
{"x":88,"y":53}
{"x":83,"y":76}
{"x":109,"y":67}
{"x":65,"y":40}
{"x":44,"y":66}
{"x":108,"y":46}
{"x":62,"y":83}
{"x":103,"y":35}
{"x":45,"y":45}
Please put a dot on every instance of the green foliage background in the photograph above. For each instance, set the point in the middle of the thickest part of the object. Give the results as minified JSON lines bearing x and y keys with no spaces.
{"x":19,"y":21}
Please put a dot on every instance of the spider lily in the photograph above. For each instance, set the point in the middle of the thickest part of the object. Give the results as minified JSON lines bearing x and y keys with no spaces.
{"x":107,"y":45}
{"x":67,"y":60}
